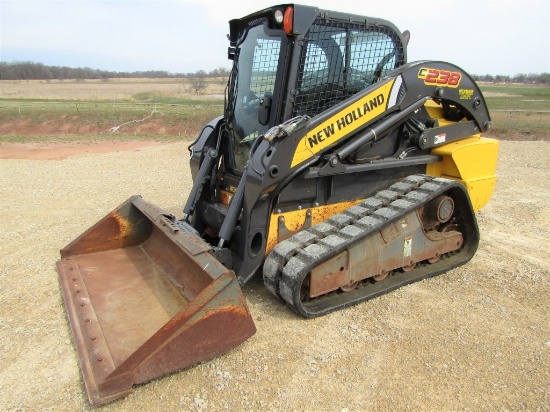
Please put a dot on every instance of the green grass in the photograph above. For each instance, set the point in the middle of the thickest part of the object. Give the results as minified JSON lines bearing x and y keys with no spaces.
{"x":519,"y":112}
{"x":516,"y":97}
{"x":158,"y":98}
{"x":75,"y":118}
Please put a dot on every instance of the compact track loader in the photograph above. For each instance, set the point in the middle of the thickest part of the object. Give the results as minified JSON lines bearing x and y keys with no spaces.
{"x":338,"y":172}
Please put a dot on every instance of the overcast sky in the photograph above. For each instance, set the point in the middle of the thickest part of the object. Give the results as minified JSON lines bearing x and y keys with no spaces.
{"x":181,"y":36}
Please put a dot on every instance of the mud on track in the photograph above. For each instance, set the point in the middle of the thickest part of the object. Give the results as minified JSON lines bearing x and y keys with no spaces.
{"x":476,"y":337}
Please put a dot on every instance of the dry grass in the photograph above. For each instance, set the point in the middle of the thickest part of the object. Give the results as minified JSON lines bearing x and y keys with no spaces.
{"x":95,"y":107}
{"x":520,"y":125}
{"x":112,"y":90}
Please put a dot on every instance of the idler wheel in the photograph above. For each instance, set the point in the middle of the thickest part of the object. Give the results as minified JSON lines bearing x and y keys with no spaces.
{"x":349,"y":287}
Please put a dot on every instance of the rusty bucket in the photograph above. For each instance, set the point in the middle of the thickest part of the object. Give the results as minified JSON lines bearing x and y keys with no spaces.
{"x":145,"y":298}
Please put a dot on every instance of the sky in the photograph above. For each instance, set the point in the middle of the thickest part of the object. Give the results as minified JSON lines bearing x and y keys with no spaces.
{"x":504,"y":37}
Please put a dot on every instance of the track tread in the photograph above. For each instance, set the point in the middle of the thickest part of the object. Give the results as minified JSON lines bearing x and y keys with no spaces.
{"x":290,"y":261}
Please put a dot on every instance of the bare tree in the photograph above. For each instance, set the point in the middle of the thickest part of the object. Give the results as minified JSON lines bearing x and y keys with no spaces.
{"x":222,"y":73}
{"x":198,"y":81}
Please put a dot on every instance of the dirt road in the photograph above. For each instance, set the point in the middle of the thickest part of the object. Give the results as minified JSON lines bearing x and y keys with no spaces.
{"x":475,"y":338}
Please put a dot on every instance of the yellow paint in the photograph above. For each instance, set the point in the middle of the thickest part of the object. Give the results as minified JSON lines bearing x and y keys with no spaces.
{"x":472,"y":162}
{"x":436,"y":111}
{"x":295,"y":219}
{"x":343,"y":123}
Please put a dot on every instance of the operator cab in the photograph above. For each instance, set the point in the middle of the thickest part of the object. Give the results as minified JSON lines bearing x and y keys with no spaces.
{"x":293,"y":60}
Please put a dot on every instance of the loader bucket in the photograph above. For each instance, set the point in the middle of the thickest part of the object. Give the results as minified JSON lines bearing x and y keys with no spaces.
{"x":145,"y":298}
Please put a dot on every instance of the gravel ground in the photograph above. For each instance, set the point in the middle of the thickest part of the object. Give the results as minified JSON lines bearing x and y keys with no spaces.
{"x":475,"y":338}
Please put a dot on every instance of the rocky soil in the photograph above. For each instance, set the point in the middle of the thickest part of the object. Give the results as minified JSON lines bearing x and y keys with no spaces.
{"x":475,"y":338}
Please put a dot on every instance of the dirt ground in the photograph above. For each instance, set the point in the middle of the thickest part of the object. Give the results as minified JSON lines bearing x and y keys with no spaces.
{"x":60,"y":151}
{"x":476,"y":338}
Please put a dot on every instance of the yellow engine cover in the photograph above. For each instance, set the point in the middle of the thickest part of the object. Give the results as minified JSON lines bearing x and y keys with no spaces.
{"x":472,"y":162}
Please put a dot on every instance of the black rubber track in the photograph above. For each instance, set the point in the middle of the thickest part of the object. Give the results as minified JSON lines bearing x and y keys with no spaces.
{"x":292,"y":260}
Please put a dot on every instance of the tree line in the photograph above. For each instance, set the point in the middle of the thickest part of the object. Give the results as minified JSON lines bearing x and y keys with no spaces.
{"x":39,"y":71}
{"x":531,"y":78}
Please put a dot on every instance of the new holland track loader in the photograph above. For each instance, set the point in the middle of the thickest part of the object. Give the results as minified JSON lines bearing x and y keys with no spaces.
{"x":338,"y":172}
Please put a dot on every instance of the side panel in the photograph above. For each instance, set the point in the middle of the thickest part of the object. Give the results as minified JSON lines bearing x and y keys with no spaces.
{"x":283,"y":225}
{"x":472,"y":162}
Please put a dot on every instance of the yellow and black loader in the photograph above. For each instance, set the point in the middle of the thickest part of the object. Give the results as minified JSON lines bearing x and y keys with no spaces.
{"x":338,"y":172}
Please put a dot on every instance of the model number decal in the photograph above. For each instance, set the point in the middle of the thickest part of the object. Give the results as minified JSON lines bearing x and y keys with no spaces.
{"x":436,"y":77}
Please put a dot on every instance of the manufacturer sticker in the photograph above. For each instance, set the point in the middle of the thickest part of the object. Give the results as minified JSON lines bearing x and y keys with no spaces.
{"x":465,"y":94}
{"x":436,"y":77}
{"x":407,"y":248}
{"x":440,"y":138}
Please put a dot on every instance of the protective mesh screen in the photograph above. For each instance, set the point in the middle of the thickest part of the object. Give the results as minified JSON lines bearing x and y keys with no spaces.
{"x":339,"y":59}
{"x":264,"y":66}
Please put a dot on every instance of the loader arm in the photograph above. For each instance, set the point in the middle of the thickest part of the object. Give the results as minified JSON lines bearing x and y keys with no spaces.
{"x":326,"y":147}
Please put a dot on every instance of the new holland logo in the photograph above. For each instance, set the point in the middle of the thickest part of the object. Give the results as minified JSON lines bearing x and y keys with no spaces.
{"x":344,"y":123}
{"x":345,"y":120}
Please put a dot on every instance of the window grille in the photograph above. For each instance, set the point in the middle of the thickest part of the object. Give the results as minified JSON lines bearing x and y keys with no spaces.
{"x":341,"y":58}
{"x":264,"y":66}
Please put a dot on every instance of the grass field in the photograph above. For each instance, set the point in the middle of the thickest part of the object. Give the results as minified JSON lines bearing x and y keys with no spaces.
{"x":20,"y":121}
{"x":112,"y":90}
{"x":161,"y":109}
{"x":167,"y":109}
{"x":518,"y":111}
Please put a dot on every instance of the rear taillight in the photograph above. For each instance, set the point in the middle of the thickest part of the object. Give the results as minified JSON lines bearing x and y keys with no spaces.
{"x":288,"y":20}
